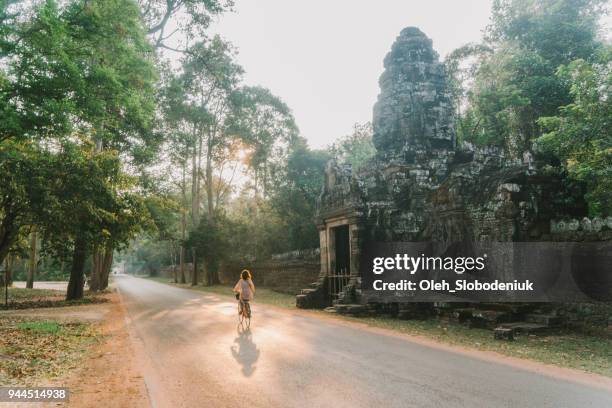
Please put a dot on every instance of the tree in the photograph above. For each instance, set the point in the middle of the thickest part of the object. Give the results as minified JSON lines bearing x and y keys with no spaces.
{"x":33,"y":261}
{"x":296,"y":192}
{"x":265,"y":123}
{"x":180,"y":145}
{"x":580,"y":135}
{"x":72,"y":74}
{"x":23,"y":185}
{"x":87,"y":204}
{"x":209,"y":76}
{"x":356,"y":148}
{"x":211,"y":239}
{"x":514,"y":83}
{"x":197,"y":105}
{"x":196,"y":16}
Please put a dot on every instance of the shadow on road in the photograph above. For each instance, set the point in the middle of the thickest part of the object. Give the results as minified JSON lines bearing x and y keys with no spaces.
{"x":245,"y":352}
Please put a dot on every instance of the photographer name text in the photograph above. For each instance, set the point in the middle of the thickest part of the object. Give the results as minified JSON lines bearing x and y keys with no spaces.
{"x":453,"y":286}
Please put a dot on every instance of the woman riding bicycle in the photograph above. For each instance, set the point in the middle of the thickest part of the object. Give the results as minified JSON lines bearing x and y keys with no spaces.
{"x":245,"y":291}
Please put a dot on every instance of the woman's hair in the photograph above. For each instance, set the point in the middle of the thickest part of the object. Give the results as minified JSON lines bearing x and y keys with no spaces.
{"x":245,"y":274}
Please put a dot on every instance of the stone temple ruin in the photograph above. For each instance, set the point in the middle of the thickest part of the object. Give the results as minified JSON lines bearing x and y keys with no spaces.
{"x":424,"y":186}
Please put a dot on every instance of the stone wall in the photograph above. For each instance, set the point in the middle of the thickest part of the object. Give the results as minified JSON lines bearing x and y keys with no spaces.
{"x":287,"y":273}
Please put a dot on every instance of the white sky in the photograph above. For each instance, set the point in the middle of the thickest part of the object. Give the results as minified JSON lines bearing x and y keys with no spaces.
{"x":324,"y":57}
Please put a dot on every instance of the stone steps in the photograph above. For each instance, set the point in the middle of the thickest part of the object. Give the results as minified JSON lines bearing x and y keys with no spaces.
{"x":481,"y":318}
{"x":525,"y":327}
{"x":544,"y":319}
{"x":352,"y":309}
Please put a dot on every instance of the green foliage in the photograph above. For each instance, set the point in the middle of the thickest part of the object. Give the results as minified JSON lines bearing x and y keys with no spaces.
{"x":295,"y":195}
{"x":148,"y":255}
{"x":88,"y":61}
{"x":580,"y":135}
{"x":211,"y":239}
{"x":356,"y":148}
{"x":45,"y":326}
{"x":87,"y":195}
{"x":77,"y":86}
{"x":24,"y":168}
{"x":196,"y":16}
{"x":49,"y":268}
{"x":163,"y":210}
{"x":515,"y":84}
{"x":559,"y":31}
{"x":542,"y":78}
{"x":266,"y":125}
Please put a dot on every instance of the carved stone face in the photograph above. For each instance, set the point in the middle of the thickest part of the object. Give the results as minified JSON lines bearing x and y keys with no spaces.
{"x":330,"y":174}
{"x":414,"y":110}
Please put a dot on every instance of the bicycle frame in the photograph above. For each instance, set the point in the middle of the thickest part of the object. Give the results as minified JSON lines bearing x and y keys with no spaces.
{"x":244,"y":316}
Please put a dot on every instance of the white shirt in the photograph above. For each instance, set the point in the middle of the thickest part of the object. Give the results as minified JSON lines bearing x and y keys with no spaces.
{"x":246,"y":289}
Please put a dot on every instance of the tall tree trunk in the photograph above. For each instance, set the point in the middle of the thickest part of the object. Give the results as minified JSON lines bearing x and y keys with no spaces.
{"x":107,"y":263}
{"x":255,"y":181}
{"x":212,"y":272}
{"x":183,"y":226}
{"x":195,"y":181}
{"x":198,"y":182}
{"x":7,"y":279}
{"x":193,"y":187}
{"x":265,"y":180}
{"x":9,"y":228}
{"x":174,"y":271}
{"x":194,"y":263}
{"x":8,"y":268}
{"x":32,"y":263}
{"x":75,"y":284}
{"x":209,"y":183}
{"x":94,"y":276}
{"x":182,"y":262}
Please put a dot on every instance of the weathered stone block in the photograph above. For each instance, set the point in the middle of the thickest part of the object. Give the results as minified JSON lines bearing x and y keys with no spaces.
{"x":501,"y":333}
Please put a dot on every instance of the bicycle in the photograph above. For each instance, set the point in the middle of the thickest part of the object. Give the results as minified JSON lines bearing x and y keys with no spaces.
{"x":244,"y":313}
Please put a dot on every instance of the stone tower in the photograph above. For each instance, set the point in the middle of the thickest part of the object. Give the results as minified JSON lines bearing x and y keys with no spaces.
{"x":413,"y":117}
{"x":414,"y":135}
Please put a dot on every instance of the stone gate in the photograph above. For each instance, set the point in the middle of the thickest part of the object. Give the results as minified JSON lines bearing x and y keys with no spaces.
{"x":424,"y":186}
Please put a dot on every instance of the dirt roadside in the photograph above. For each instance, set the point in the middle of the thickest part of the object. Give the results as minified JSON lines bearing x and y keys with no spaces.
{"x":109,"y":376}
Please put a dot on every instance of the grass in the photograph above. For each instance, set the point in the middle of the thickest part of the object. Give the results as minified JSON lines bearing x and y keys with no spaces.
{"x":21,"y":298}
{"x":46,"y":326}
{"x":33,"y":350}
{"x":592,"y":353}
{"x":563,"y":349}
{"x":21,"y":294}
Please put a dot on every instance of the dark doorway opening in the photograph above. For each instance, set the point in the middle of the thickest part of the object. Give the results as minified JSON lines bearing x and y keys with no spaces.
{"x":341,"y":262}
{"x":343,"y":255}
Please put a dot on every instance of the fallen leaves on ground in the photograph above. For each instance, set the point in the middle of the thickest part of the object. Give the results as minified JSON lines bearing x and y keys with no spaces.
{"x":35,"y":349}
{"x":20,"y":298}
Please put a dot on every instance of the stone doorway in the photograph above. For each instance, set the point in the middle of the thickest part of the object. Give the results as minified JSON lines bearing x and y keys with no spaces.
{"x":340,"y":261}
{"x":342,"y":251}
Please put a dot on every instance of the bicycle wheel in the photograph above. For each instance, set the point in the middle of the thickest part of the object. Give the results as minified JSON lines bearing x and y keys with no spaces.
{"x":240,"y":313}
{"x":247,"y":311}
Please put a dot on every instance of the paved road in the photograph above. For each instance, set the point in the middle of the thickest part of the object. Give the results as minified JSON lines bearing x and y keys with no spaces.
{"x":193,"y":356}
